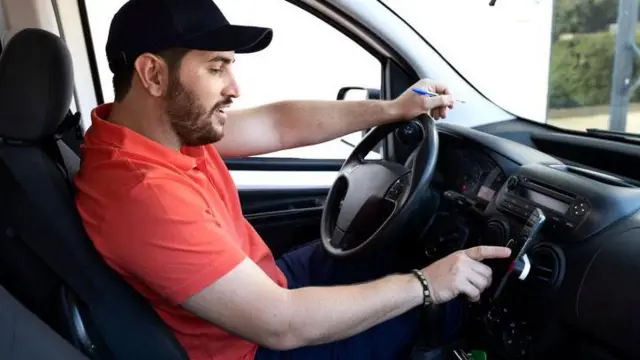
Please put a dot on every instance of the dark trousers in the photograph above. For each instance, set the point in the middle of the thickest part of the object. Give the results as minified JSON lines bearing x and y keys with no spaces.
{"x":312,"y":266}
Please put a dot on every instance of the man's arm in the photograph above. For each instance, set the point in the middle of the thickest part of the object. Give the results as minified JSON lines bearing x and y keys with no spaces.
{"x":248,"y":303}
{"x":290,"y":124}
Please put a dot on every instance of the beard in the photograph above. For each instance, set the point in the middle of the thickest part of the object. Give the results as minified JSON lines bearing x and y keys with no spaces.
{"x":191,"y":121}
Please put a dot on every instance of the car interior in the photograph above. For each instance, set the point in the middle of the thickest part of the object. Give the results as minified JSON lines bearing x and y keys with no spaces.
{"x":20,"y":328}
{"x":569,"y":212}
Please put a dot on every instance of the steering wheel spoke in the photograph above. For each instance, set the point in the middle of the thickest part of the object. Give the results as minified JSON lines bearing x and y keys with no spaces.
{"x":341,"y":239}
{"x":336,"y":237}
{"x":398,"y":189}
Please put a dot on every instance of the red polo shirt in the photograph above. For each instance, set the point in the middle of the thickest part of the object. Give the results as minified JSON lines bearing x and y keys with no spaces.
{"x":170,"y":223}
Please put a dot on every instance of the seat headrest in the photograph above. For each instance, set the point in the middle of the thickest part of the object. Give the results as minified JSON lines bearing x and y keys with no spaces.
{"x":36,"y":85}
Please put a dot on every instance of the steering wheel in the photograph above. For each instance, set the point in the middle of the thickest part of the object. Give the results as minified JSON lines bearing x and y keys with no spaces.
{"x":374,"y":201}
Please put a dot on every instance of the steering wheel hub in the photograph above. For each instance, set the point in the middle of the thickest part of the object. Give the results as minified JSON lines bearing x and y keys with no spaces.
{"x":371,"y":201}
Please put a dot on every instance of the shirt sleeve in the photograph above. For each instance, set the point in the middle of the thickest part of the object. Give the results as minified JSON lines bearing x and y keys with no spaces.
{"x":165,"y":234}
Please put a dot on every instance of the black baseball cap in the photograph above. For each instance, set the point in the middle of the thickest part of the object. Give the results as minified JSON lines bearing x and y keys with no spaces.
{"x":155,"y":25}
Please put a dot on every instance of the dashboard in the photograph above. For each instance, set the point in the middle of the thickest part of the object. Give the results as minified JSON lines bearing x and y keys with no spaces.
{"x":578,"y":272}
{"x":470,"y":172}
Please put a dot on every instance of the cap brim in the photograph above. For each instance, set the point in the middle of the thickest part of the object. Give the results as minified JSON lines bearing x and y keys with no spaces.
{"x":238,"y":38}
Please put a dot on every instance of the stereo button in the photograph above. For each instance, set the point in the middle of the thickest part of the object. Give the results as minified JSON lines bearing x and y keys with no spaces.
{"x":570,"y":226}
{"x":579,"y":209}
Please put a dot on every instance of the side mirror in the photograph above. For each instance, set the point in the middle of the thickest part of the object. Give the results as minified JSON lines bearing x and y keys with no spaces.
{"x":358,"y":93}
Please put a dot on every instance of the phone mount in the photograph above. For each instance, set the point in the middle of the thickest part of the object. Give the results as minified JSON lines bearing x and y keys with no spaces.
{"x":519,"y":262}
{"x":521,"y":267}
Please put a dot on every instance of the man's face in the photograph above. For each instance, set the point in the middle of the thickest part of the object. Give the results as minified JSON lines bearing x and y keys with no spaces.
{"x":197,"y":95}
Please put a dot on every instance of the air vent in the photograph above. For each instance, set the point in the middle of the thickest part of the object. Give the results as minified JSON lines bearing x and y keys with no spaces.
{"x":548,"y":269}
{"x":496,"y":232}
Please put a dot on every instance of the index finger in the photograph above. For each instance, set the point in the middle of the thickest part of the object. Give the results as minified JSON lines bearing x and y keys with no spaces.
{"x":488,"y":252}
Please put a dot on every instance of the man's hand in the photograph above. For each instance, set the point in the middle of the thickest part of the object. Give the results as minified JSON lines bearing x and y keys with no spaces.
{"x":462,"y":273}
{"x":411,"y":104}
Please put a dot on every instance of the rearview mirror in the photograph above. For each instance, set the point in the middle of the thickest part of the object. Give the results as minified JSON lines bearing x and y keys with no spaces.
{"x":358,"y":93}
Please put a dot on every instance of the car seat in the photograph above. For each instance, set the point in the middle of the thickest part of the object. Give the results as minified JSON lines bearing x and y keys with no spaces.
{"x":24,"y":336}
{"x":47,"y":260}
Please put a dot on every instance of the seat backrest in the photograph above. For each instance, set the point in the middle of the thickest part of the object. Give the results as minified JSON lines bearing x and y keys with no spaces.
{"x":47,"y":260}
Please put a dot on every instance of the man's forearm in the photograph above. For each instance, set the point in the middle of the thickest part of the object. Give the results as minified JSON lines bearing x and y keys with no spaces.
{"x":302,"y":123}
{"x":320,"y":315}
{"x":290,"y":124}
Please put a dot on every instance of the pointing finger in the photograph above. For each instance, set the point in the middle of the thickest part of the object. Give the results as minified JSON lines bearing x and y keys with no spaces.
{"x":488,"y":252}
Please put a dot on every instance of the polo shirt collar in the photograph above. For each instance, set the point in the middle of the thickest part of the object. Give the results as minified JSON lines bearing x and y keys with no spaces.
{"x":103,"y":132}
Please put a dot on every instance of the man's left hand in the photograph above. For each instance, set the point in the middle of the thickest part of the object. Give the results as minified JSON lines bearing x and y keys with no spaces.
{"x":411,"y":104}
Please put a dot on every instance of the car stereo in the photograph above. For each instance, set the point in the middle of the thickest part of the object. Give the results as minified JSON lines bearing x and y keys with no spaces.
{"x":522,"y":195}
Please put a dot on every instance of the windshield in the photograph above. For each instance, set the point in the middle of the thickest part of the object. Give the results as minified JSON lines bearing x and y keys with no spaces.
{"x":542,"y":60}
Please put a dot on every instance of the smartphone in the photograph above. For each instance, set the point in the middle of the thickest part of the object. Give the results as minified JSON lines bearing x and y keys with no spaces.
{"x":521,"y":245}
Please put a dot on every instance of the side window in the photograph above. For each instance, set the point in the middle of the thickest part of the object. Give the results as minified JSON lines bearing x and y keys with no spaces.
{"x":307,"y":59}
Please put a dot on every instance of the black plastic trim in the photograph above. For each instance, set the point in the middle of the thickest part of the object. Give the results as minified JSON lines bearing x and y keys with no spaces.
{"x":512,"y":150}
{"x":283,"y":164}
{"x":91,"y":54}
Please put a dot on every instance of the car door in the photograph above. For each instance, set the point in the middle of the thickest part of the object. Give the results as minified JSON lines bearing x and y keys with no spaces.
{"x":282,"y":193}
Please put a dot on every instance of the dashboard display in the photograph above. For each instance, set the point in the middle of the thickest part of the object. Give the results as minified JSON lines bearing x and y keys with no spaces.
{"x":486,"y":193}
{"x":469,"y":172}
{"x":545,"y":200}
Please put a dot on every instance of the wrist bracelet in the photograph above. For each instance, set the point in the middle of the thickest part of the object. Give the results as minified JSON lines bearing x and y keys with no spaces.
{"x":426,"y":293}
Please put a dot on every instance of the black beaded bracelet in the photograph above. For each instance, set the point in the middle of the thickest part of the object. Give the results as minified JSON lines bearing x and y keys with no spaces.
{"x":426,"y":293}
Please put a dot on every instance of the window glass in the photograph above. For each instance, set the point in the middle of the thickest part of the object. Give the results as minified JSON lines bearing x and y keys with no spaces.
{"x":501,"y":50}
{"x":307,"y":59}
{"x":582,"y":68}
{"x":546,"y":61}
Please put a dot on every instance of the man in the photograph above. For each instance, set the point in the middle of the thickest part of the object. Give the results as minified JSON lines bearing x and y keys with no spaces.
{"x":162,"y":209}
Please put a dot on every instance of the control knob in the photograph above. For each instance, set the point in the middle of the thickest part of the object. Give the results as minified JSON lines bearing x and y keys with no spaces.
{"x":512,"y":182}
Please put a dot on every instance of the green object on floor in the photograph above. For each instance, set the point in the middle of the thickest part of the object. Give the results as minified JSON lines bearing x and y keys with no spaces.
{"x":478,"y":355}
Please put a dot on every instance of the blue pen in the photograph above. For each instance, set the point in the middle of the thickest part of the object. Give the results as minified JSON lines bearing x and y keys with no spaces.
{"x":429,"y":94}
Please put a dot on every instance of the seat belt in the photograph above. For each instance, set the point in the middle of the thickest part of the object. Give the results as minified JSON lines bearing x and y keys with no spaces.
{"x":36,"y":229}
{"x":70,"y":131}
{"x":70,"y":121}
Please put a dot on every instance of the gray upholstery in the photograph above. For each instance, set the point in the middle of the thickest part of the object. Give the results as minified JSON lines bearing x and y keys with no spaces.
{"x":36,"y":73}
{"x":24,"y":336}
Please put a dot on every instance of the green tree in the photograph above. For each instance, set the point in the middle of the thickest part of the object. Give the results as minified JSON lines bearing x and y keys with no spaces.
{"x":583,"y":16}
{"x":581,"y":70}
